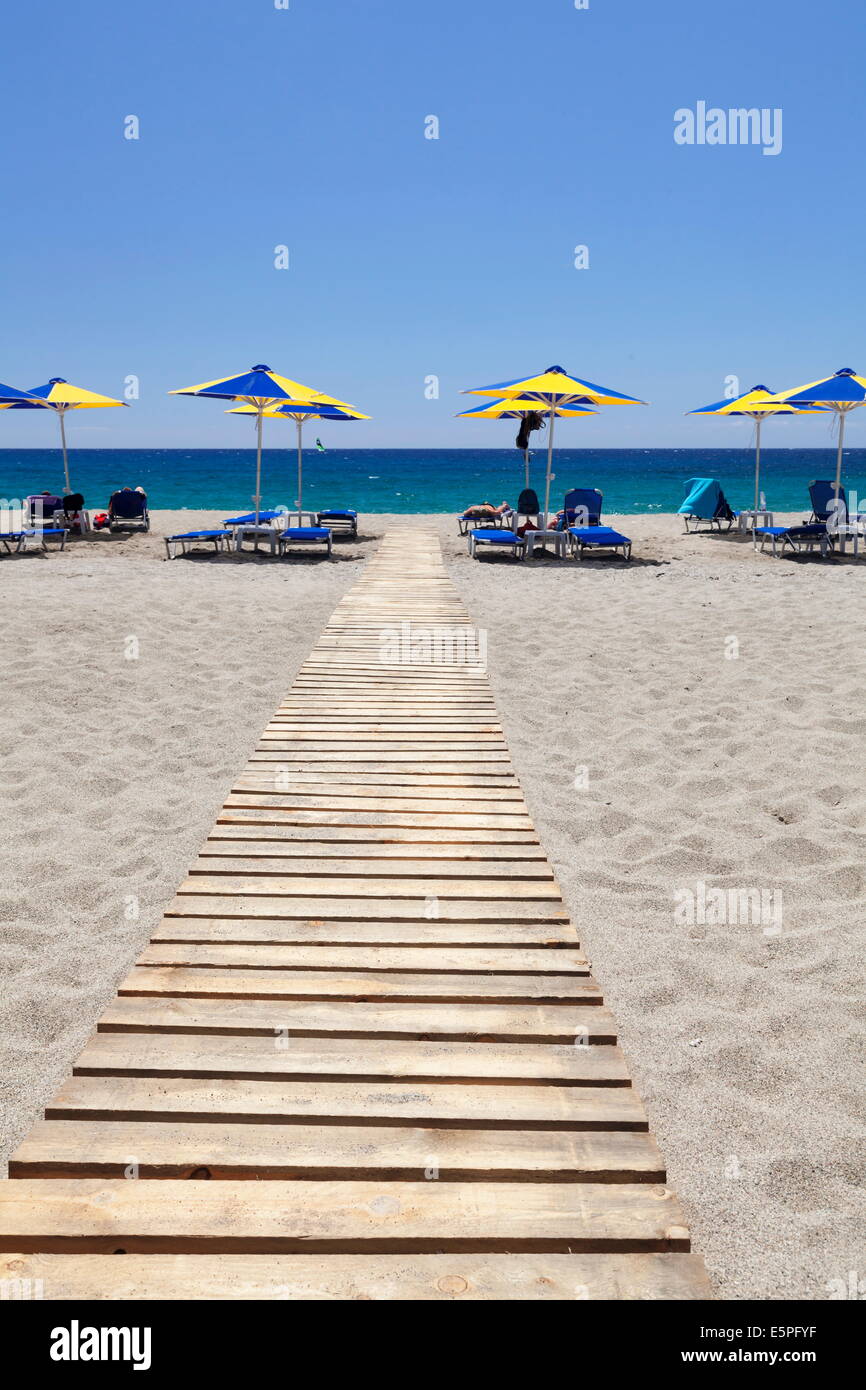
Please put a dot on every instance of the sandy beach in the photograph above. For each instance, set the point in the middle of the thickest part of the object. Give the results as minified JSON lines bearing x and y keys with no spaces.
{"x":689,"y":722}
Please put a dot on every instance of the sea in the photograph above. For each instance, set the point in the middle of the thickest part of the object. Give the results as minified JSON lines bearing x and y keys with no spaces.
{"x":638,"y":481}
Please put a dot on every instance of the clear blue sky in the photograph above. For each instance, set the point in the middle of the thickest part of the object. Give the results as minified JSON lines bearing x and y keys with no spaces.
{"x":411,"y":257}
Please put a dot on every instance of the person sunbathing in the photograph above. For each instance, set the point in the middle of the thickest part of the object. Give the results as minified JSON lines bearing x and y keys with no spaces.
{"x":487,"y":509}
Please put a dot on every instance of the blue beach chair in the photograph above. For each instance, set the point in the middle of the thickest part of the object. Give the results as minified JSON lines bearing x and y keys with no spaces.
{"x":705,"y":502}
{"x":826,"y":502}
{"x":345,"y":521}
{"x":190,"y":539}
{"x":127,"y":510}
{"x":581,"y":507}
{"x":582,"y":538}
{"x":304,"y":535}
{"x":500,"y":539}
{"x":797,"y":538}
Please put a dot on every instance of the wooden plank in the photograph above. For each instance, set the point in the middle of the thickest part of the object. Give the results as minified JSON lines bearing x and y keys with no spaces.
{"x":441,"y":1104}
{"x":283,"y":792}
{"x":105,"y":1215}
{"x":431,"y":959}
{"x":532,"y":1024}
{"x":106,"y":1148}
{"x":428,"y":1278}
{"x":328,"y":933}
{"x":478,"y":858}
{"x":258,"y":857}
{"x":357,"y":984}
{"x":222,"y":878}
{"x":431,"y":818}
{"x":191,"y":904}
{"x":299,"y":1059}
{"x":378,"y":842}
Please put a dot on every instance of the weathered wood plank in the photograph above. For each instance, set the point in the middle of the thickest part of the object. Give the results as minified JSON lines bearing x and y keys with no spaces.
{"x":505,"y":1107}
{"x":258,"y":857}
{"x":221,"y":878}
{"x":431,"y":959}
{"x":346,"y":933}
{"x":445,"y":909}
{"x":107,"y":1148}
{"x":358,"y":984}
{"x":427,"y":1278}
{"x":531,"y":1024}
{"x":104,"y":1215}
{"x":288,"y":1058}
{"x":377,"y":841}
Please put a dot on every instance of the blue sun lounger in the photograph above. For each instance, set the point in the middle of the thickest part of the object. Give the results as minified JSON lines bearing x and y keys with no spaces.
{"x":218,"y":539}
{"x":304,"y":535}
{"x":799,"y":538}
{"x":339,"y":520}
{"x":582,"y":538}
{"x":504,"y":540}
{"x":15,"y":541}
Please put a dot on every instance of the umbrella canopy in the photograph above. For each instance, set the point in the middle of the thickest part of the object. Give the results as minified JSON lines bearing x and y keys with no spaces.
{"x":10,"y":395}
{"x":517,"y":408}
{"x":329,"y":409}
{"x":755,"y":404}
{"x":842,"y":392}
{"x":60,"y":396}
{"x":259,"y":388}
{"x":552,"y":388}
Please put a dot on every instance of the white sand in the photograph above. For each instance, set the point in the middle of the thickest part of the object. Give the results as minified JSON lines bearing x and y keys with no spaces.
{"x":739,"y":773}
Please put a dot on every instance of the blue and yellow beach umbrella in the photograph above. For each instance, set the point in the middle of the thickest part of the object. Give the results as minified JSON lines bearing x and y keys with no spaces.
{"x":60,"y":396}
{"x":756,"y":404}
{"x":554,"y":388}
{"x":261,"y":389}
{"x":329,"y":409}
{"x":518,"y":409}
{"x":842,"y":392}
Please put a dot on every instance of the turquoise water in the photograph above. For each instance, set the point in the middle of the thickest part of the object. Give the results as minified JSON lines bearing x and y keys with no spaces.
{"x":422,"y":480}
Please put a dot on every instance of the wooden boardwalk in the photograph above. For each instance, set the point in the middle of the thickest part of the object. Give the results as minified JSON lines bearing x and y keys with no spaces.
{"x":365,"y":1017}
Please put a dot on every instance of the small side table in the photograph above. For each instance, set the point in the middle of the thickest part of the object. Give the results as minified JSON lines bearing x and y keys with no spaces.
{"x":752,"y":517}
{"x":541,"y":538}
{"x":267,"y":533}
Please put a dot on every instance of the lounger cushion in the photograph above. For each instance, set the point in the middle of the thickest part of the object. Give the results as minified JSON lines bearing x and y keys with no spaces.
{"x":815,"y":528}
{"x":598,"y":535}
{"x":305,"y":533}
{"x":198,"y":535}
{"x":350,"y":514}
{"x":491,"y":537}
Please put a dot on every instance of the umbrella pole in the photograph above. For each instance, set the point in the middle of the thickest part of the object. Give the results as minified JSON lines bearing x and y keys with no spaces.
{"x":258,"y":463}
{"x":549,"y":463}
{"x":758,"y":424}
{"x":839,"y":476}
{"x":62,"y":414}
{"x":839,"y":452}
{"x":300,"y":474}
{"x":526,"y":468}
